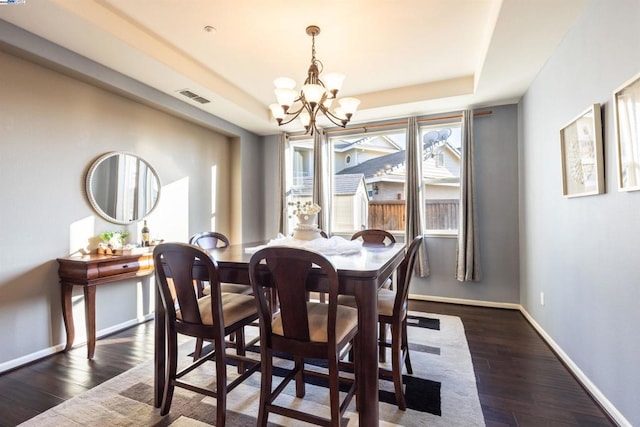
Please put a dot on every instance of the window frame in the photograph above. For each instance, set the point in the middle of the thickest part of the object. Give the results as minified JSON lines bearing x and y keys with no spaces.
{"x":381,"y":128}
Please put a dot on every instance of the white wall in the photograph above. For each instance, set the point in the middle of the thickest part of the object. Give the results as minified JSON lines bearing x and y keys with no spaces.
{"x":583,"y":252}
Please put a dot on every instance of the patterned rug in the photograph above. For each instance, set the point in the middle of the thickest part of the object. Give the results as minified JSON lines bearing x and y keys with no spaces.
{"x":441,"y":392}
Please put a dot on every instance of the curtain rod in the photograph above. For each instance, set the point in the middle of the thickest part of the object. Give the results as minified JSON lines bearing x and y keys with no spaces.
{"x":392,"y":124}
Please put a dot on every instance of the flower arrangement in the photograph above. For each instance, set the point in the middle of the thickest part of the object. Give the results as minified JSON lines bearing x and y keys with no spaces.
{"x":114,"y":238}
{"x":306,"y":208}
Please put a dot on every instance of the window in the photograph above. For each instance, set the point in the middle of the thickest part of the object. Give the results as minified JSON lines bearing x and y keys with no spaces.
{"x":369,"y":181}
{"x":368,"y":186}
{"x":299,"y":161}
{"x":441,"y":172}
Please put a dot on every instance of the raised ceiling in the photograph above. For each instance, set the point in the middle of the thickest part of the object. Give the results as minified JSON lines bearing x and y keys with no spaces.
{"x":401,"y":57}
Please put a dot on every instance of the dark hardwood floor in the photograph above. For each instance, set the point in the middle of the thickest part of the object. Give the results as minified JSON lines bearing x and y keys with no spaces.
{"x":520,"y":380}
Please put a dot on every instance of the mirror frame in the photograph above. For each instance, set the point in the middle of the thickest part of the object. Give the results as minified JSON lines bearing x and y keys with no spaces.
{"x":90,"y":178}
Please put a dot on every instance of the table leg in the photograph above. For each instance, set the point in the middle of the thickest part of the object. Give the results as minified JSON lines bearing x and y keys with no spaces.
{"x":90,"y":319}
{"x":159,"y":359}
{"x":367,"y":363}
{"x":67,"y":314}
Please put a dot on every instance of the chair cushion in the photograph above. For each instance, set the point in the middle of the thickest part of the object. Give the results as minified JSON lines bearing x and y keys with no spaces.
{"x":235,"y":307}
{"x":346,"y":320}
{"x":386,"y":299}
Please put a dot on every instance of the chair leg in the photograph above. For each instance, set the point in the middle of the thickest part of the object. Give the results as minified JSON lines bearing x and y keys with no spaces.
{"x":198,"y":350}
{"x":300,"y":387}
{"x":266,"y":378}
{"x":240,"y":349}
{"x":355,"y":351}
{"x":221,"y":384}
{"x":334,"y":390}
{"x":405,"y":346}
{"x":396,"y":364}
{"x":172,"y":366}
{"x":382,"y":336}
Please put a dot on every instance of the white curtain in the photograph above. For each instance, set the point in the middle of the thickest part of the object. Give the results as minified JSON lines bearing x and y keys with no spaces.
{"x":415,"y":197}
{"x":322,"y":173}
{"x":468,"y":251}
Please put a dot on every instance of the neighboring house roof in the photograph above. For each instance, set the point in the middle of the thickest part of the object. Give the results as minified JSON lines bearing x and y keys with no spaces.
{"x":344,"y":184}
{"x":393,"y":165}
{"x":373,"y":143}
{"x":376,"y":165}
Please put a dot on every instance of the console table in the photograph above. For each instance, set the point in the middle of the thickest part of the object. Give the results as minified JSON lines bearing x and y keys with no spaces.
{"x":90,"y":271}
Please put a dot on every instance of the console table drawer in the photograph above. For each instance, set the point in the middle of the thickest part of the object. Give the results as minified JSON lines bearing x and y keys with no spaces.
{"x":119,"y":267}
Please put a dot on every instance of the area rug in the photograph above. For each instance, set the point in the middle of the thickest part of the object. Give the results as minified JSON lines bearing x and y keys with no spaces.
{"x":441,"y":392}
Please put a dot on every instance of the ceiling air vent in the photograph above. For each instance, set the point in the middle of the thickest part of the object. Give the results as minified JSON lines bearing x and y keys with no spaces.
{"x":194,"y":96}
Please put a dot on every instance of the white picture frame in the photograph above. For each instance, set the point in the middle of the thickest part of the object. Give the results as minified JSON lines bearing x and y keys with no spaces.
{"x":582,"y":155}
{"x":626,"y":104}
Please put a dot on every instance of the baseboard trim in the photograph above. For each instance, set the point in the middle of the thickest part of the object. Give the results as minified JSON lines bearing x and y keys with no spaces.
{"x":16,"y":363}
{"x":491,"y":304}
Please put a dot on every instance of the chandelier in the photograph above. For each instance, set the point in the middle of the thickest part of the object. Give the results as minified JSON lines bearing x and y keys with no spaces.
{"x":314,"y":97}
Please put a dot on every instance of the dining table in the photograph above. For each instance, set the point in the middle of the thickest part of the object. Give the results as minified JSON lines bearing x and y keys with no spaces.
{"x":361,"y":273}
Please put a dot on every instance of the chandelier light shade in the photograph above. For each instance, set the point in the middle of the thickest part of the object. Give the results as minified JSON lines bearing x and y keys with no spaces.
{"x":315,"y":96}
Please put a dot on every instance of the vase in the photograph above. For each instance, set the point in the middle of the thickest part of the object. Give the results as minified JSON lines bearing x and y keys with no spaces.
{"x":309,"y":220}
{"x":307,"y":228}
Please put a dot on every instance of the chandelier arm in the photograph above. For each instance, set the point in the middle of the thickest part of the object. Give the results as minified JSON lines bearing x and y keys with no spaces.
{"x":293,"y":115}
{"x":333,"y":118}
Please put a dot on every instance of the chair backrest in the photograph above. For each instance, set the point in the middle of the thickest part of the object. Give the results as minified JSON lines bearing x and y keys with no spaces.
{"x":289,"y":270}
{"x":175,"y":265}
{"x":373,"y":235}
{"x":405,"y":273}
{"x":209,"y":240}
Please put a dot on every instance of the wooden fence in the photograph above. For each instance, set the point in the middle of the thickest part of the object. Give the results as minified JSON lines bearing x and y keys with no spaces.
{"x":390,"y":214}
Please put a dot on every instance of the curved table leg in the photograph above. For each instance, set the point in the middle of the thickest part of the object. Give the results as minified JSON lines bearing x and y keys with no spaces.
{"x":67,"y":314}
{"x":90,"y":319}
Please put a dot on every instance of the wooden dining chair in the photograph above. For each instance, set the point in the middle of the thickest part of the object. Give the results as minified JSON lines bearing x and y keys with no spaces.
{"x":374,"y":235}
{"x":378,"y":237}
{"x":301,"y":329}
{"x":392,"y":310}
{"x":210,"y":240}
{"x":212,"y":317}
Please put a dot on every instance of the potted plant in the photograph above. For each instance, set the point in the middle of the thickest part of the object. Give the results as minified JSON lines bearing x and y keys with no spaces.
{"x":111,"y":240}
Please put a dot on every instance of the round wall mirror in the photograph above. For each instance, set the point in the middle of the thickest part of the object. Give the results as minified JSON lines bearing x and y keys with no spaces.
{"x":122,"y":187}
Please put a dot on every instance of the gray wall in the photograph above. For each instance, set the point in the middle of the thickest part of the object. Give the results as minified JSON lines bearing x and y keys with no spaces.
{"x":496,"y":172}
{"x":583,"y":252}
{"x":52,"y":126}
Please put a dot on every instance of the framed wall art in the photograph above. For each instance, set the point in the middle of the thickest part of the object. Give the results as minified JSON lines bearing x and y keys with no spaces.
{"x":626,"y":103}
{"x":582,"y":155}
